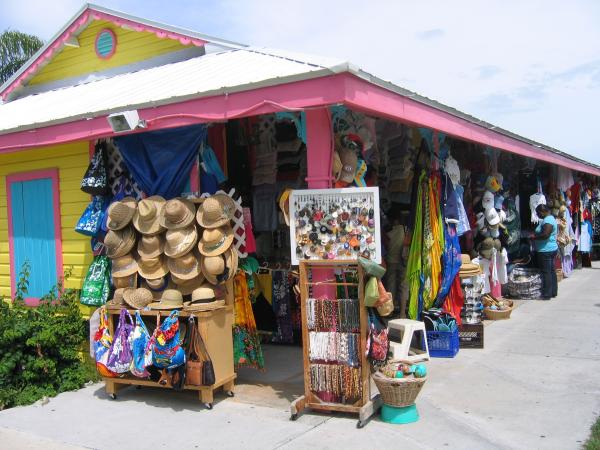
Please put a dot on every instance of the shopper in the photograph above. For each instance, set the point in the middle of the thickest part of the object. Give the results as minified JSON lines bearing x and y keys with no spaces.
{"x":546,"y":247}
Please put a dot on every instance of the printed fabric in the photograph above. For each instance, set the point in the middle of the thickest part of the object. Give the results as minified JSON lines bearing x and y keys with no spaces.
{"x":247,"y":351}
{"x":284,"y":333}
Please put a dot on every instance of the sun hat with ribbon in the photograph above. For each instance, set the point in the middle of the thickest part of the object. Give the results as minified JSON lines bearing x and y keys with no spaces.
{"x":216,"y":211}
{"x":187,"y":286}
{"x":138,"y":298}
{"x":150,"y":246}
{"x":117,"y":299}
{"x":215,"y":241}
{"x":153,"y":268}
{"x":119,"y":242}
{"x":147,"y":216}
{"x":185,"y":267}
{"x":180,"y":241}
{"x":127,"y":281}
{"x":177,"y":213}
{"x":120,"y":213}
{"x":170,"y":299}
{"x":203,"y":299}
{"x":157,"y":285}
{"x":218,"y":269}
{"x":123,"y":266}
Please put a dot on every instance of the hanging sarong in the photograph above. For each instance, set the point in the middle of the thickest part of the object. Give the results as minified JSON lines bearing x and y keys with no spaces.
{"x":413,"y":270}
{"x":247,"y":351}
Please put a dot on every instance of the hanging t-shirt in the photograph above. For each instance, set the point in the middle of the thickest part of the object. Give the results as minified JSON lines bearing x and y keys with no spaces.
{"x":550,"y":244}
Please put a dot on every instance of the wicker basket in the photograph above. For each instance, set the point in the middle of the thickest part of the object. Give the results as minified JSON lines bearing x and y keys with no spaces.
{"x":494,"y":314}
{"x":398,"y":392}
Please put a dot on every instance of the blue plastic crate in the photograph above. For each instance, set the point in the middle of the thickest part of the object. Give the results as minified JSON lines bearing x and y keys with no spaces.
{"x":443,"y":344}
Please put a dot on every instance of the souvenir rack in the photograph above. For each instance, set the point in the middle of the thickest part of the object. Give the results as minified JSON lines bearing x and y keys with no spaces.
{"x":215,"y":327}
{"x":364,"y":404}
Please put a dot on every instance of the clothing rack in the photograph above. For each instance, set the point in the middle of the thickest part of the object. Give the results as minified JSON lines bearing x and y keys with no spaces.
{"x":334,"y":339}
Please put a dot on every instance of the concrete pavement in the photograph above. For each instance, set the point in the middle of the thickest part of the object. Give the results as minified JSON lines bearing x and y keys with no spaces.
{"x":535,"y":385}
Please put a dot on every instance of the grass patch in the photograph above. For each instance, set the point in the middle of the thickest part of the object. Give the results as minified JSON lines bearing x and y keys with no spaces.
{"x":593,"y":442}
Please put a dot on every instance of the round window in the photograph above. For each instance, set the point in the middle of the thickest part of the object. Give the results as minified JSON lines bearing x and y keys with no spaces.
{"x":106,"y":43}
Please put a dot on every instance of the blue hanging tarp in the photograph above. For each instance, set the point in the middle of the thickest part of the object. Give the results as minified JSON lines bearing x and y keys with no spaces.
{"x":160,"y":161}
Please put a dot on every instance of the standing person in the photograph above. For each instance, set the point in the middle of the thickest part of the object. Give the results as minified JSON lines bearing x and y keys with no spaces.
{"x":546,"y":247}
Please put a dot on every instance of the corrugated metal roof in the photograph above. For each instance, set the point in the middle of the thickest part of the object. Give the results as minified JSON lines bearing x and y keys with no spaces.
{"x":209,"y":74}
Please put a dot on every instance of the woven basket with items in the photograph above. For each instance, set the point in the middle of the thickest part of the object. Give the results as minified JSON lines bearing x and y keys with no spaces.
{"x":400,"y":390}
{"x":496,"y":309}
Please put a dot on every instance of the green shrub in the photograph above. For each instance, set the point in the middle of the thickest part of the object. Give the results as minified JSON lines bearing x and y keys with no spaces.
{"x":42,"y":349}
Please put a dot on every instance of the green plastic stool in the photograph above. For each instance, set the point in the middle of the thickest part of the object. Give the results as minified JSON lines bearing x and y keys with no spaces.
{"x":402,"y":415}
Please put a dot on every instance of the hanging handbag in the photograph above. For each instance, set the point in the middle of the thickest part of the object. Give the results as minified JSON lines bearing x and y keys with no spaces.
{"x":370,"y":267}
{"x":95,"y":179}
{"x":371,"y":292}
{"x":102,"y":343}
{"x":96,"y":285}
{"x":142,"y":352}
{"x":90,"y":221}
{"x":378,"y":343}
{"x":167,"y":352}
{"x":199,"y":368}
{"x":120,"y":355}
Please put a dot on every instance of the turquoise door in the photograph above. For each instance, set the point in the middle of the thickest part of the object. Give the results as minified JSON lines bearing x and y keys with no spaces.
{"x":33,"y":233}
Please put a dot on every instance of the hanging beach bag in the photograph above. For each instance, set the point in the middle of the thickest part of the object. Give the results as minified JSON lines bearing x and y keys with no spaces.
{"x":95,"y":179}
{"x":371,"y":292}
{"x":102,"y":343}
{"x":199,"y":366}
{"x":378,"y":343}
{"x":140,"y":348}
{"x":120,"y":355}
{"x":167,"y":352}
{"x":96,"y":286}
{"x":90,"y":221}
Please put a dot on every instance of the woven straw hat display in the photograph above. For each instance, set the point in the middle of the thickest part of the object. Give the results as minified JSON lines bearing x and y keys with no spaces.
{"x":187,"y":286}
{"x":119,"y":242}
{"x":150,"y":246}
{"x":203,"y":299}
{"x":126,"y":281}
{"x":147,"y":216}
{"x":215,"y":211}
{"x":152,"y":268}
{"x":120,"y":213}
{"x":170,"y":299}
{"x":117,"y":299}
{"x":124,"y":266}
{"x":180,"y":241}
{"x":177,"y":213}
{"x":138,"y":298}
{"x":185,"y":267}
{"x":215,"y":241}
{"x":218,"y":269}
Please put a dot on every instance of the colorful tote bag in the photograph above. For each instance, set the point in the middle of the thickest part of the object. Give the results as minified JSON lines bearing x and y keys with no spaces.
{"x":102,"y":343}
{"x":167,"y":352}
{"x":95,"y":179}
{"x":141,"y":349}
{"x":90,"y":221}
{"x":120,"y":355}
{"x":96,"y":286}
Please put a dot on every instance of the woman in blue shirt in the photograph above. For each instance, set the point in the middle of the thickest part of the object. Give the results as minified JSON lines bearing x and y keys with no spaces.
{"x":546,"y":247}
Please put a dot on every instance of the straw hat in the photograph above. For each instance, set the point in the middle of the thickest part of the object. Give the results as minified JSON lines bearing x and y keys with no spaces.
{"x":138,"y":298}
{"x":185,"y":267}
{"x":126,"y":281}
{"x":215,"y":241}
{"x":177,"y":213}
{"x":284,"y":205}
{"x":158,"y":285}
{"x":120,"y":213}
{"x":467,"y":268}
{"x":180,"y":241}
{"x":349,"y":164}
{"x":203,"y":299}
{"x":186,"y":287}
{"x":146,"y":218}
{"x":218,"y":269}
{"x":216,"y":211}
{"x":117,"y":299}
{"x":119,"y":242}
{"x":152,"y":268}
{"x":170,"y":299}
{"x":123,"y":266}
{"x":150,"y":246}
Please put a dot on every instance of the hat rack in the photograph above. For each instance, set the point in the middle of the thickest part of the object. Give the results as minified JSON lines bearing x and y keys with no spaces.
{"x":367,"y":402}
{"x":215,"y":327}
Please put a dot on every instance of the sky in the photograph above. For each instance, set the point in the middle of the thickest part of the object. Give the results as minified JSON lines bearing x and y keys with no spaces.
{"x":529,"y":66}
